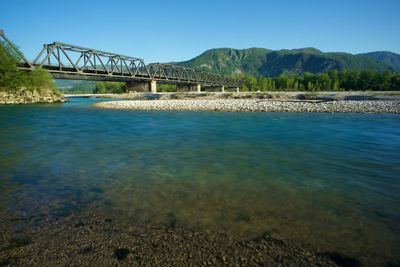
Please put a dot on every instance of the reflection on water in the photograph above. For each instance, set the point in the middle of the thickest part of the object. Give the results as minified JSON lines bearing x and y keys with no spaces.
{"x":329,"y":181}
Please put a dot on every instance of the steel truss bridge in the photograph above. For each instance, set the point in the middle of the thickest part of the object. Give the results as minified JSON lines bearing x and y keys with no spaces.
{"x":65,"y":61}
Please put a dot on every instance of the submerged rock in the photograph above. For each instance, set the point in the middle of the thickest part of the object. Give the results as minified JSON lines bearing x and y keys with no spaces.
{"x":121,"y":253}
{"x":115,"y":243}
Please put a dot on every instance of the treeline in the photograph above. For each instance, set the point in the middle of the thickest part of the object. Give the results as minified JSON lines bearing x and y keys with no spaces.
{"x":329,"y":81}
{"x":109,"y":88}
{"x":12,"y":79}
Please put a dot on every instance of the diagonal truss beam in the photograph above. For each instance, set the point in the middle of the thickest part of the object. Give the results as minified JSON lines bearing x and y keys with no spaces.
{"x":14,"y":49}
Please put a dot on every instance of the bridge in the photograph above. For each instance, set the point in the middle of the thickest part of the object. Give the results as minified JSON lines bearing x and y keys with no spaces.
{"x":65,"y":61}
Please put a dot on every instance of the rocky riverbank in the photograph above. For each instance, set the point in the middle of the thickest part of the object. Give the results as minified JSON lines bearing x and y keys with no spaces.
{"x":259,"y":105}
{"x":25,"y":96}
{"x":93,"y":240}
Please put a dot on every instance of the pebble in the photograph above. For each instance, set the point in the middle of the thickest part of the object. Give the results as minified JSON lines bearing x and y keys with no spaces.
{"x":254,"y":105}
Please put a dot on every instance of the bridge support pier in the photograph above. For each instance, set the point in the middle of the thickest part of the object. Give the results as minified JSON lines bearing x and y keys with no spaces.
{"x":188,"y":87}
{"x":153,"y":86}
{"x":198,"y":88}
{"x":143,"y":86}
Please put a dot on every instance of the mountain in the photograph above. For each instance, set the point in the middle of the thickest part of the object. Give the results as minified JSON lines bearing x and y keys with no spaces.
{"x":228,"y":60}
{"x":265,"y":62}
{"x":386,"y":57}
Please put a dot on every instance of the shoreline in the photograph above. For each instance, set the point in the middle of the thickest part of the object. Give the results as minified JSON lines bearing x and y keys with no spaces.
{"x":258,"y":105}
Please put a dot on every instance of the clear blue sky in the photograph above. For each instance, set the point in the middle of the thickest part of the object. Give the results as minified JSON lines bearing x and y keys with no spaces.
{"x":176,"y":30}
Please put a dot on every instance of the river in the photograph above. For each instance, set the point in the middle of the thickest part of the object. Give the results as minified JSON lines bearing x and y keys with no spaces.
{"x":328,"y":181}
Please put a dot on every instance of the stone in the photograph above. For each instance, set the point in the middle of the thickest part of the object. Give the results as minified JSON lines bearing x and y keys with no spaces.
{"x":25,"y":96}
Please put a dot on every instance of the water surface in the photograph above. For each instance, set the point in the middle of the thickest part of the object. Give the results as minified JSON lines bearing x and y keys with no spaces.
{"x":327,"y":181}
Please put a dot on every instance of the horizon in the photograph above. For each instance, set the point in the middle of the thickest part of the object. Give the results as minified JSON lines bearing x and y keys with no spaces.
{"x":177,"y":31}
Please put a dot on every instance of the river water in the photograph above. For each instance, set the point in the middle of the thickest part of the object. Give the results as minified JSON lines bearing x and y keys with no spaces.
{"x":327,"y":181}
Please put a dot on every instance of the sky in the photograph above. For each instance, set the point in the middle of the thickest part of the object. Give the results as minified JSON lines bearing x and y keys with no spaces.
{"x":178,"y":30}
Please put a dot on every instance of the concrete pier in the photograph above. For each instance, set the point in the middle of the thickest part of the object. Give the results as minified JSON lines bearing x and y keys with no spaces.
{"x":153,"y":86}
{"x":198,"y":88}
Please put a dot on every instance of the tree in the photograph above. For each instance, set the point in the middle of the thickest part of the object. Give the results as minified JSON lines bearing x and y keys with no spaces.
{"x":109,"y":87}
{"x":349,"y":80}
{"x":365,"y":81}
{"x":13,"y":79}
{"x":395,"y":82}
{"x":42,"y":80}
{"x":251,"y":82}
{"x":10,"y":77}
{"x":381,"y":81}
{"x":324,"y":81}
{"x":265,"y":84}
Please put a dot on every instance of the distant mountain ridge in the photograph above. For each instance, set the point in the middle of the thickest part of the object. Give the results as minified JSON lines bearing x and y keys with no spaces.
{"x":389,"y":58}
{"x":266,"y":62}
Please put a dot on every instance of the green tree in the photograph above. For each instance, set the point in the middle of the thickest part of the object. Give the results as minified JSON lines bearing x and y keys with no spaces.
{"x":325,"y":82}
{"x":395,"y":82}
{"x":42,"y":80}
{"x":10,"y":77}
{"x":349,"y":80}
{"x":381,"y":81}
{"x":251,"y":82}
{"x":13,"y":79}
{"x":366,"y":80}
{"x":109,"y":88}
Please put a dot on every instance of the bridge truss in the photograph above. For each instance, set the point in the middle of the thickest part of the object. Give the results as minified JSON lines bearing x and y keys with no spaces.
{"x":65,"y":61}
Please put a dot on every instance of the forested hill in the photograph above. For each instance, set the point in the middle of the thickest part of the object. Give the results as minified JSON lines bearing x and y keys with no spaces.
{"x":265,"y":62}
{"x":388,"y":58}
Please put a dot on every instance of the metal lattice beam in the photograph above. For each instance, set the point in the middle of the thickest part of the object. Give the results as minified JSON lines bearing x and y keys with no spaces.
{"x":14,"y":50}
{"x":65,"y":60}
{"x":70,"y":59}
{"x":176,"y":73}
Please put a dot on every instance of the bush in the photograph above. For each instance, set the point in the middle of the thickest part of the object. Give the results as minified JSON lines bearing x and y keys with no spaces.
{"x":42,"y":80}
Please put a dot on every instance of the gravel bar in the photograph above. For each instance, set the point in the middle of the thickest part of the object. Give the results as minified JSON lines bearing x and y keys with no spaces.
{"x":255,"y":105}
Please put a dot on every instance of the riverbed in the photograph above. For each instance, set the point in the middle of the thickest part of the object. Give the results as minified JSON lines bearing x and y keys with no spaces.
{"x":127,"y":186}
